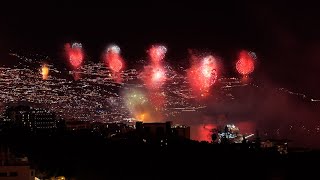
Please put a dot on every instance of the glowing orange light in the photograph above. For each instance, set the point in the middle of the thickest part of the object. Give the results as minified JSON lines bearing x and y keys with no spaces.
{"x":45,"y":72}
{"x":141,"y":117}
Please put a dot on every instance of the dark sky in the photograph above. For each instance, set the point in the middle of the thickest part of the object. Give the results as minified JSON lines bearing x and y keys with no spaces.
{"x":285,"y":36}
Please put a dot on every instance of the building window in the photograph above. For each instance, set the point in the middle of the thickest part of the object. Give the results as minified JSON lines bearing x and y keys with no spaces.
{"x":13,"y":174}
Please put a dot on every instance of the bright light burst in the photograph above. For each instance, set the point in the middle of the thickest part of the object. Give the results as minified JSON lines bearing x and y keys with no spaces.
{"x":114,"y":49}
{"x":154,"y":74}
{"x":135,"y":98}
{"x":202,"y":75}
{"x":136,"y":102}
{"x":158,"y":76}
{"x":154,"y":77}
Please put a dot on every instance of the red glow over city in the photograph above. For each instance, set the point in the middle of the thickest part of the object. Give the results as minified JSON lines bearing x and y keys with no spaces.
{"x":202,"y":75}
{"x":202,"y":132}
{"x":246,"y":127}
{"x":245,"y":64}
{"x":157,"y":99}
{"x":74,"y":54}
{"x":76,"y":75}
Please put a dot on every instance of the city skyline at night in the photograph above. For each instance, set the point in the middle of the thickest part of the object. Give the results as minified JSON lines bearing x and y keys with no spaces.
{"x":95,"y":96}
{"x":91,"y":90}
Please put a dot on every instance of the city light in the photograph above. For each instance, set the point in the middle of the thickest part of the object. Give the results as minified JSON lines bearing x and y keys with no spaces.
{"x":97,"y":97}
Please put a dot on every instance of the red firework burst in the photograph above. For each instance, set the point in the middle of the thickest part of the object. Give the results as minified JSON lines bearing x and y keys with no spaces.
{"x":74,"y":54}
{"x":245,"y":64}
{"x":113,"y":59}
{"x":202,"y":75}
{"x":157,"y":53}
{"x":153,"y":76}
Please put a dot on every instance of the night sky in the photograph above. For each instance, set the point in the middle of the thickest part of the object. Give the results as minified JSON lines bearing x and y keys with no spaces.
{"x":283,"y":35}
